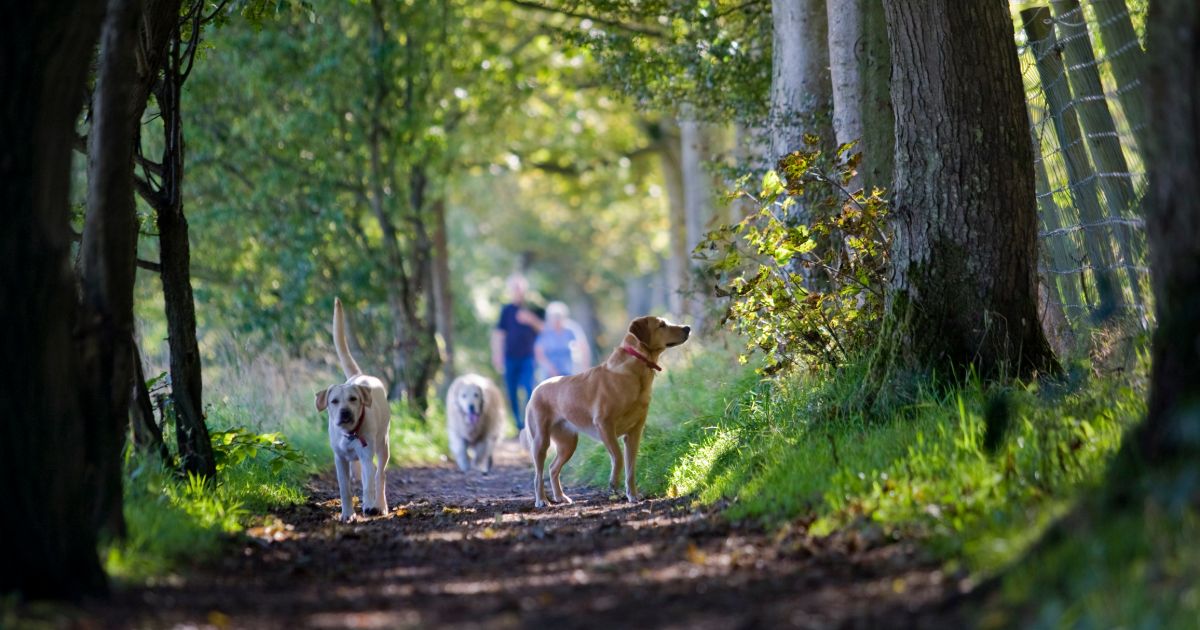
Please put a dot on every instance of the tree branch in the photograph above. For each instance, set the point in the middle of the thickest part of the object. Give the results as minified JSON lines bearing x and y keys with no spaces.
{"x":638,"y":29}
{"x":149,"y":265}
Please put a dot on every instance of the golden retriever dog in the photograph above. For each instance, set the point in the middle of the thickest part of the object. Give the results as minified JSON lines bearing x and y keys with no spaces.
{"x":474,"y":421}
{"x":359,"y":416}
{"x":606,"y":402}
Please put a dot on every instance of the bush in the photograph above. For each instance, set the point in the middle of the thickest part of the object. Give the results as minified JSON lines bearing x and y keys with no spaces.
{"x":804,"y":286}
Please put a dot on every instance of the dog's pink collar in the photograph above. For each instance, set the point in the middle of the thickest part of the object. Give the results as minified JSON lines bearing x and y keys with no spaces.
{"x":353,"y":433}
{"x":643,"y":358}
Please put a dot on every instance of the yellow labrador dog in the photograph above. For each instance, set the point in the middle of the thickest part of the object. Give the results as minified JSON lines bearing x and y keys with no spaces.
{"x":474,"y":421}
{"x":606,"y":402}
{"x":359,"y":416}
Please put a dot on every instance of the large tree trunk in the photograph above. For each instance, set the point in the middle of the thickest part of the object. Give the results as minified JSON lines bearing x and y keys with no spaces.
{"x":875,"y":67}
{"x":147,"y":434}
{"x":108,"y":254}
{"x":1169,"y":435}
{"x":191,"y":432}
{"x":51,"y":549}
{"x":800,"y":86}
{"x":964,"y":290}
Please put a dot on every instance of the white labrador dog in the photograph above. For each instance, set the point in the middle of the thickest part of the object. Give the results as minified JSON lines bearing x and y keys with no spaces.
{"x":359,"y":416}
{"x":474,"y":420}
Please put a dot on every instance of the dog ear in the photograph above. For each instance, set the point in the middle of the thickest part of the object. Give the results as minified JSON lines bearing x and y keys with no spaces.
{"x":365,"y":393}
{"x":640,"y":328}
{"x":323,"y":399}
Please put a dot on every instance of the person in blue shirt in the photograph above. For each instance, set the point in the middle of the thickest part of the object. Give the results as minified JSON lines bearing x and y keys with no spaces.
{"x":512,"y":346}
{"x":560,"y":348}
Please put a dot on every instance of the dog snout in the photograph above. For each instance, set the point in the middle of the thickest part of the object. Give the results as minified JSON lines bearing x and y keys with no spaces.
{"x":687,"y":331}
{"x":344,"y":416}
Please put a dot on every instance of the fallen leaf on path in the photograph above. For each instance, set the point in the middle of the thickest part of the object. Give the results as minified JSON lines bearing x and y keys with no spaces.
{"x":694,"y":555}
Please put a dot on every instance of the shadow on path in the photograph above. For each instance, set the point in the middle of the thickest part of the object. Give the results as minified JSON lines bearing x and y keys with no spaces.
{"x":470,"y":551}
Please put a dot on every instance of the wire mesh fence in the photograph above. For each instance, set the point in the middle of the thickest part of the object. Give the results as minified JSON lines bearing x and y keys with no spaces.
{"x":1080,"y":63}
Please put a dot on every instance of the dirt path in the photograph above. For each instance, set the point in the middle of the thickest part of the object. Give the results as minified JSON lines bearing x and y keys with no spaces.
{"x":471,"y":552}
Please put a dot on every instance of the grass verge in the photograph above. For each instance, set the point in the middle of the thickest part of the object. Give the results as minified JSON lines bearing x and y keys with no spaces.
{"x":796,"y":449}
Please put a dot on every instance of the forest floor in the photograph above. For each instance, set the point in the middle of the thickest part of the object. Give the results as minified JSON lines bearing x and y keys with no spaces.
{"x":471,"y":551}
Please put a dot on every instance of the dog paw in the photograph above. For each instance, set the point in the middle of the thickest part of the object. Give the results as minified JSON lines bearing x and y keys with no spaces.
{"x":346,"y":518}
{"x":372,"y":511}
{"x":633,"y":497}
{"x":538,"y":503}
{"x":564,"y":499}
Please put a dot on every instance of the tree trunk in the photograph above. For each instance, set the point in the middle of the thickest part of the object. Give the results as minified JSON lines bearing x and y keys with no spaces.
{"x":670,"y":154}
{"x":1125,"y":56}
{"x":845,"y":49}
{"x":147,"y":434}
{"x":108,"y":255}
{"x":1079,"y":172}
{"x":695,"y":138}
{"x":1169,"y":435}
{"x":875,"y":67}
{"x":800,"y":86}
{"x":191,"y":432}
{"x":965,"y":251}
{"x":1100,"y":130}
{"x":51,"y":552}
{"x":443,"y":296}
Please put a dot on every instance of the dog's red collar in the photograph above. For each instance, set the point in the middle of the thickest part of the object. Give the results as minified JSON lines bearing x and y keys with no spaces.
{"x":353,"y":433}
{"x":641,"y":357}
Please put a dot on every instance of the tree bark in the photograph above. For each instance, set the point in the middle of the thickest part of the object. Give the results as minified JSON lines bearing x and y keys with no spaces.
{"x":964,"y":290}
{"x":191,"y":432}
{"x":875,"y":67}
{"x":108,"y":254}
{"x":800,"y":85}
{"x":1169,"y":435}
{"x":44,"y":52}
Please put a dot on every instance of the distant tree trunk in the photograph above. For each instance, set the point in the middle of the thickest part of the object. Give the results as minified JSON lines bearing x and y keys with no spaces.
{"x":845,"y":49}
{"x":147,"y":435}
{"x":964,"y":289}
{"x":1080,"y":175}
{"x":875,"y":67}
{"x":443,"y":296}
{"x":50,"y":549}
{"x":1168,"y":438}
{"x":752,"y":150}
{"x":695,"y":139}
{"x":1100,"y":130}
{"x":800,"y":86}
{"x":108,"y":253}
{"x":191,"y":432}
{"x":1126,"y":59}
{"x":670,"y":155}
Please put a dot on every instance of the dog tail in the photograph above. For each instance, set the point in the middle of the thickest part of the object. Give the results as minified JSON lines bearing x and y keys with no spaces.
{"x":526,"y":439}
{"x":349,"y":366}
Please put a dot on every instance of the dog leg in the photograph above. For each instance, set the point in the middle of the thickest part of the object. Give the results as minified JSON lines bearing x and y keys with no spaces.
{"x":564,"y":447}
{"x":344,"y":480}
{"x":458,"y":447}
{"x":483,"y":455}
{"x":609,"y":437}
{"x":385,"y":454}
{"x":541,"y":444}
{"x":370,"y":495}
{"x":633,"y":440}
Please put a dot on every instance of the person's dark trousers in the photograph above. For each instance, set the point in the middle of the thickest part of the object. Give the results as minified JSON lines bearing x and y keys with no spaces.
{"x":518,"y":374}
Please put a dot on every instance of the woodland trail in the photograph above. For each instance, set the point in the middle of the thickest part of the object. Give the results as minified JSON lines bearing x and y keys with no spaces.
{"x":470,"y":551}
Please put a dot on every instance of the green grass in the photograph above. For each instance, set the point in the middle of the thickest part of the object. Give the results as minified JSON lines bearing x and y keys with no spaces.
{"x":797,"y":447}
